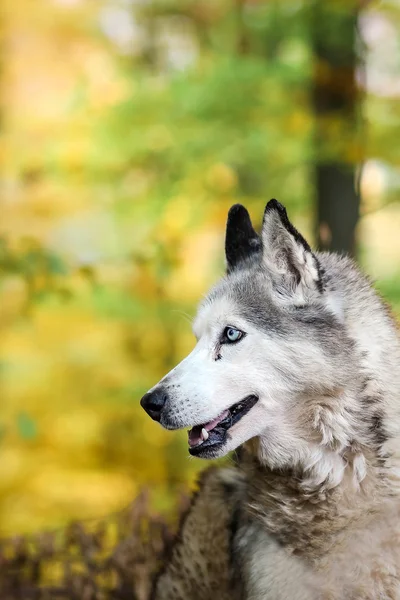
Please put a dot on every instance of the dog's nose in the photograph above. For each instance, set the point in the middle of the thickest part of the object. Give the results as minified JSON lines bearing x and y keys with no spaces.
{"x":153,"y":403}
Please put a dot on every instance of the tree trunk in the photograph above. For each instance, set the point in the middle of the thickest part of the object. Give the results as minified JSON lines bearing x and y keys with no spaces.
{"x":337,"y":144}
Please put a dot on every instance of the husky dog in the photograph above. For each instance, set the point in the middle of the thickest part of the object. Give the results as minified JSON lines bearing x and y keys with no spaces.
{"x":297,"y":362}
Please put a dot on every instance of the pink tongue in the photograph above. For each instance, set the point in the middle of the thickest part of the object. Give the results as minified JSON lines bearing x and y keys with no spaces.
{"x":194,"y":435}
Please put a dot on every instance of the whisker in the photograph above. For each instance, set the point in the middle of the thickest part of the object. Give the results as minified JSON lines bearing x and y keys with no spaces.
{"x":188,"y":318}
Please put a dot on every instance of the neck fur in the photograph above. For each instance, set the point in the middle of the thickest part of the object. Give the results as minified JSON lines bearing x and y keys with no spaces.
{"x":310,"y":510}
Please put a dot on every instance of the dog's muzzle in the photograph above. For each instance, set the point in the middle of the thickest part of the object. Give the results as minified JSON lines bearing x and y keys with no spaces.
{"x":154,"y":402}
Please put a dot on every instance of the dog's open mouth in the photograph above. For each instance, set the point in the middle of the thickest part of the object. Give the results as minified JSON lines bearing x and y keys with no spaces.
{"x":213,"y":433}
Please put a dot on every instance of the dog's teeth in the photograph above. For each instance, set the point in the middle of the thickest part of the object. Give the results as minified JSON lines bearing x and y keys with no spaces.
{"x":204,"y":434}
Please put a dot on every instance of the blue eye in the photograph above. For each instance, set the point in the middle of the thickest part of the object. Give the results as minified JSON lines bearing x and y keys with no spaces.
{"x":232,"y":335}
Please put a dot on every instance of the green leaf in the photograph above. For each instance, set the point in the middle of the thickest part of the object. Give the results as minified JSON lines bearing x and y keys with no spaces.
{"x":26,"y":426}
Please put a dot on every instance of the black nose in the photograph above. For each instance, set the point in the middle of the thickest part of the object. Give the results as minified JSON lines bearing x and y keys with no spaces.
{"x":153,"y":403}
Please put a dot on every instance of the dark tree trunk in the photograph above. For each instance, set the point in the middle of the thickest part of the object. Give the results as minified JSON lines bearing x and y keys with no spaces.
{"x":337,"y":144}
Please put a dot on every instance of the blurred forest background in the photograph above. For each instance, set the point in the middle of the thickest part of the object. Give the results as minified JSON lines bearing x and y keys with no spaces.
{"x":127,"y":130}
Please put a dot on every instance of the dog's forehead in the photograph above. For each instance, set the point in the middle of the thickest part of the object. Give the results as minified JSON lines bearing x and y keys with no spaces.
{"x":213,"y":313}
{"x":244,"y":296}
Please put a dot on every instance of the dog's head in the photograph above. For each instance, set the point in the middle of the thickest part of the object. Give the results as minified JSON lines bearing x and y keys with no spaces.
{"x":270,"y":341}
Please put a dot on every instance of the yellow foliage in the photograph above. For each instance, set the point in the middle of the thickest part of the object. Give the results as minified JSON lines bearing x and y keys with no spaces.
{"x":176,"y":218}
{"x":221,"y":178}
{"x":299,"y":122}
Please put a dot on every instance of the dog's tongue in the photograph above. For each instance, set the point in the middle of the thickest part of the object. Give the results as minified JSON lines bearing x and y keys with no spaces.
{"x":196,"y":435}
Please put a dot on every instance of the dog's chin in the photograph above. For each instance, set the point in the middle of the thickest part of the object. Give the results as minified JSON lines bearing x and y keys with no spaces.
{"x":213,"y":439}
{"x":217,"y":451}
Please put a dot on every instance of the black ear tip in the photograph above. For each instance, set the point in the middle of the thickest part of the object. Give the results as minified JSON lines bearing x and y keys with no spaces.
{"x":237,"y":211}
{"x":275,"y":205}
{"x":241,"y":241}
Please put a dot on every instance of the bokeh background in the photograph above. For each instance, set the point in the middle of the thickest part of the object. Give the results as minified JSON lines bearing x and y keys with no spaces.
{"x":127,"y":130}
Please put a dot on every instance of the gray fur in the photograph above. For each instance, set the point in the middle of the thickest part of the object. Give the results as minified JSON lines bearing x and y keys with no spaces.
{"x":316,"y":505}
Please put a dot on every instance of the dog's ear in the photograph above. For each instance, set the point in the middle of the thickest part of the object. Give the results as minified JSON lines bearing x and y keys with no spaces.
{"x":241,"y":241}
{"x":294,"y":268}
